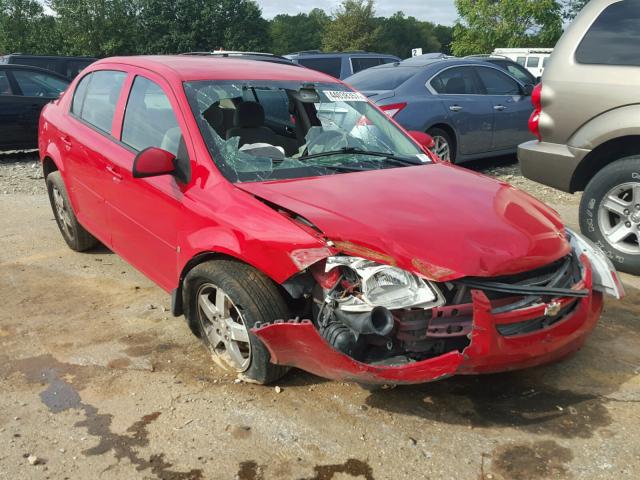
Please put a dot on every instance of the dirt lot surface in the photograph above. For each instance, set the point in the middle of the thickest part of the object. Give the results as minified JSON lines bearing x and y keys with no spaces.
{"x":99,"y":381}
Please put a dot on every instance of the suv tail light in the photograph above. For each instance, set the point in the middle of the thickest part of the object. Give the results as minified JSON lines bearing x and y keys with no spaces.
{"x":393,"y":109}
{"x":534,"y":121}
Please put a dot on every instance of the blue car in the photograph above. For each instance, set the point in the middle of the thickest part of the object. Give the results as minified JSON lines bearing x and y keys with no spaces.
{"x":471,"y":108}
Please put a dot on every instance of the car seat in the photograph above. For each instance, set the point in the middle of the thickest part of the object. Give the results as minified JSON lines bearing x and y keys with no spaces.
{"x":249,"y":125}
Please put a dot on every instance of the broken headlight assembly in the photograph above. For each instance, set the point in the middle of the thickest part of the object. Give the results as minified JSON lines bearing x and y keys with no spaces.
{"x":360,"y":299}
{"x":377,"y":285}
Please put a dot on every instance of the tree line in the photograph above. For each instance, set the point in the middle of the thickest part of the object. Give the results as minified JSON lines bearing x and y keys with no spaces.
{"x":129,"y":27}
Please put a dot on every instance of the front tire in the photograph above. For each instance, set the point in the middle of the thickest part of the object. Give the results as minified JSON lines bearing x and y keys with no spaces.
{"x":225,"y":299}
{"x":444,"y":147}
{"x":610,"y":213}
{"x":76,"y":236}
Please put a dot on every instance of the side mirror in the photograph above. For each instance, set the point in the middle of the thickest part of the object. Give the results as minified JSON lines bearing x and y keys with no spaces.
{"x":154,"y":162}
{"x":423,"y":139}
{"x":528,"y":90}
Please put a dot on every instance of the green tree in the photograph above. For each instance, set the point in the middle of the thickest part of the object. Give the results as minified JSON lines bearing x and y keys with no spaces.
{"x":294,"y":33}
{"x":444,"y":34}
{"x":96,"y":27}
{"x":399,"y":34}
{"x":572,"y":8}
{"x":354,"y":27}
{"x":487,"y":24}
{"x":201,"y":25}
{"x":24,"y":27}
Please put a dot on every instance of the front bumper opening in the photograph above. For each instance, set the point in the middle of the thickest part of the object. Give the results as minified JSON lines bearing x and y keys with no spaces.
{"x":481,"y":336}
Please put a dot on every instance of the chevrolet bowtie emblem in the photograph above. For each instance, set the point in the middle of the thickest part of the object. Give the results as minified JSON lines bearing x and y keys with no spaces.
{"x":552,"y":309}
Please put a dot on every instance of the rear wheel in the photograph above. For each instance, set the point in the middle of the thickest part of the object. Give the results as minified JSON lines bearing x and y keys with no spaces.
{"x":226,"y":299}
{"x":443,"y":146}
{"x":76,"y":236}
{"x":610,"y":213}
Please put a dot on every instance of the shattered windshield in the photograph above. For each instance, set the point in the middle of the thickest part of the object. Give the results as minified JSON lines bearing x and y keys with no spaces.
{"x":267,"y":130}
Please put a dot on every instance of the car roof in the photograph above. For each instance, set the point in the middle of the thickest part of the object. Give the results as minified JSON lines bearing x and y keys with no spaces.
{"x":17,"y":66}
{"x":318,"y":53}
{"x":211,"y":67}
{"x":49,"y":57}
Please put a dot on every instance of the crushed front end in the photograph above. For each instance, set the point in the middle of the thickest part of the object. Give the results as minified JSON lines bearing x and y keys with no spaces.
{"x":377,"y":324}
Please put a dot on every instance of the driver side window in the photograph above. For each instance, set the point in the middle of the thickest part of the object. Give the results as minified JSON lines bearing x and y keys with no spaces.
{"x":149,"y":119}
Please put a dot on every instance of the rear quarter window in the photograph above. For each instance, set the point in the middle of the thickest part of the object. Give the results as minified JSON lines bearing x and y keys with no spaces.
{"x":362,"y":63}
{"x":330,"y":66}
{"x":614,"y":37}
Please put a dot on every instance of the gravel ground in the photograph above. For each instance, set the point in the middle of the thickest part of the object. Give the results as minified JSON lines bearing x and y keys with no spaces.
{"x":99,"y":381}
{"x":21,"y":173}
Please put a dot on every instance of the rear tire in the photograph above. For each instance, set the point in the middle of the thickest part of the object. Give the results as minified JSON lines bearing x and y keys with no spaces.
{"x":610,"y":213}
{"x":76,"y":236}
{"x":444,"y":146}
{"x":224,"y":324}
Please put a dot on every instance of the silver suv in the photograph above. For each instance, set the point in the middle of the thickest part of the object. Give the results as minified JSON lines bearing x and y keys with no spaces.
{"x":587,"y":120}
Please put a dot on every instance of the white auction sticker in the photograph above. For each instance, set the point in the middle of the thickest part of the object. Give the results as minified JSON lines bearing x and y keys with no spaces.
{"x":341,"y":96}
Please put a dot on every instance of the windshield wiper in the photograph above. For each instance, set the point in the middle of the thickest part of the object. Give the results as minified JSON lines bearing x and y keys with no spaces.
{"x":358,"y":151}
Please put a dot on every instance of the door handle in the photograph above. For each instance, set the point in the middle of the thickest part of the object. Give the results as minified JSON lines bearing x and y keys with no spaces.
{"x":66,"y":140}
{"x":117,"y":176}
{"x":499,"y":108}
{"x":455,"y":108}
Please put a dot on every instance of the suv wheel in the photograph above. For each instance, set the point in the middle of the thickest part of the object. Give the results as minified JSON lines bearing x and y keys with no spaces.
{"x":610,"y":213}
{"x":225,"y":299}
{"x":443,"y":145}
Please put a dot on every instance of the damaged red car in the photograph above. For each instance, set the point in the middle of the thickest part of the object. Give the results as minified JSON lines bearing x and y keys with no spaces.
{"x":296,"y":225}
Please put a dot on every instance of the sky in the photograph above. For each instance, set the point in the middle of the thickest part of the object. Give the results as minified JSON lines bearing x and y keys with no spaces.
{"x":436,"y":11}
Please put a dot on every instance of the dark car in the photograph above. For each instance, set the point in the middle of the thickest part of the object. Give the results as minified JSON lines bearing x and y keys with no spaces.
{"x":340,"y":64}
{"x":68,"y":67}
{"x":514,"y":68}
{"x":23,"y":93}
{"x":471,"y":108}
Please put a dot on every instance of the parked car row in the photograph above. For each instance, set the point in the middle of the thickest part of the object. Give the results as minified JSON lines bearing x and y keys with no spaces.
{"x":260,"y":193}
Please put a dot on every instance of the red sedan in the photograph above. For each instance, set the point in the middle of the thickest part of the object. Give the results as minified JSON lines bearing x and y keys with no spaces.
{"x":296,"y":225}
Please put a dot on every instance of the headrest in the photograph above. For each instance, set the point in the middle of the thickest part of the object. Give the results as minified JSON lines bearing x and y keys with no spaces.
{"x":249,"y":115}
{"x":456,"y":85}
{"x":214,"y":116}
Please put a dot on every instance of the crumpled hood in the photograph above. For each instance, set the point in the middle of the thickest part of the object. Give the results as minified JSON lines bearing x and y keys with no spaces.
{"x":438,"y":220}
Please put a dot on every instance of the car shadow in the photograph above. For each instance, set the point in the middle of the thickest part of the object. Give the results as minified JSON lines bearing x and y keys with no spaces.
{"x":567,"y":399}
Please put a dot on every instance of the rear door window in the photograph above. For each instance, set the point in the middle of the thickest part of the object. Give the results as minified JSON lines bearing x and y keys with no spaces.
{"x":149,"y":120}
{"x":456,"y":81}
{"x":96,"y":104}
{"x":330,"y":66}
{"x":521,"y":60}
{"x":39,"y":84}
{"x":497,"y":83}
{"x":614,"y":37}
{"x":5,"y":86}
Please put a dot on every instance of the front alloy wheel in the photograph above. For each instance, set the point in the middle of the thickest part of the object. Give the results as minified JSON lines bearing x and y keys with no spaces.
{"x":225,"y":330}
{"x":224,"y":300}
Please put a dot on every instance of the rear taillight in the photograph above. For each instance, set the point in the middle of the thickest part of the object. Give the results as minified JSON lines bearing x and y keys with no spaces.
{"x":534,"y":121}
{"x":393,"y":109}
